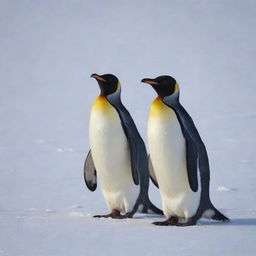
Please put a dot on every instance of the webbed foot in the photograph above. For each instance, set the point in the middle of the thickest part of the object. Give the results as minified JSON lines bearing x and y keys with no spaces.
{"x":115,"y":214}
{"x":172,"y":221}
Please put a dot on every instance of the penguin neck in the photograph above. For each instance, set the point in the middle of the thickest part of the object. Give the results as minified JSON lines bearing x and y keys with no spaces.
{"x":157,"y":100}
{"x":104,"y":102}
{"x":158,"y":108}
{"x":101,"y":103}
{"x":103,"y":112}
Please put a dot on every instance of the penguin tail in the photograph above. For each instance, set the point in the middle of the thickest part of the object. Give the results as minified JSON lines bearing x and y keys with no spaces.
{"x":217,"y":215}
{"x":150,"y":208}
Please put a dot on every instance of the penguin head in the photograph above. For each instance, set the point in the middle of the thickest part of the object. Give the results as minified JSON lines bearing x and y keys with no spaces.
{"x":108,"y":83}
{"x":163,"y":85}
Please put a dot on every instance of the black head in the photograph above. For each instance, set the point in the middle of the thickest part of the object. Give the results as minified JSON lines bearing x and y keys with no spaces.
{"x":108,"y":83}
{"x":163,"y":85}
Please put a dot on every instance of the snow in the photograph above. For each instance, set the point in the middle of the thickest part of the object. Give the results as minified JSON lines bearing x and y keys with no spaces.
{"x":48,"y":51}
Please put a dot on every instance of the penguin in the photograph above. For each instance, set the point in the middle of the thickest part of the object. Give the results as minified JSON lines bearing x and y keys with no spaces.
{"x":118,"y":154}
{"x":178,"y":160}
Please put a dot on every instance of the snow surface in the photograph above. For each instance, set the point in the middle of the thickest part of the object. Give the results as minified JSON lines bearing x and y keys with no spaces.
{"x":48,"y":51}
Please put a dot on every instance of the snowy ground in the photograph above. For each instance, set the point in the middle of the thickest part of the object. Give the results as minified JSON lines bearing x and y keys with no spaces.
{"x":48,"y":51}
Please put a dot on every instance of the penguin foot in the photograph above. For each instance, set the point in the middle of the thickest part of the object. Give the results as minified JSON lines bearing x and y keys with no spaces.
{"x":172,"y":221}
{"x":102,"y":216}
{"x":115,"y":214}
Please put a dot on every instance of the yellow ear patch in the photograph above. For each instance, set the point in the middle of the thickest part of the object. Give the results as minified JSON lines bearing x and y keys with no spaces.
{"x":177,"y":87}
{"x":118,"y":85}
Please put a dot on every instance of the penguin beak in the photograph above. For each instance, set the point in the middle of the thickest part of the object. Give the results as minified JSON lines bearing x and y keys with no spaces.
{"x":98,"y":77}
{"x":149,"y":81}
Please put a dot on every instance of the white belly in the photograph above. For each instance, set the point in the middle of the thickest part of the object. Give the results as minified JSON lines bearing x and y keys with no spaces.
{"x":168,"y":154}
{"x":111,"y":156}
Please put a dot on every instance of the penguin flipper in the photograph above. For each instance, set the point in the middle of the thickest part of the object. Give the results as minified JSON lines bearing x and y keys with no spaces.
{"x":192,"y":154}
{"x":90,"y":175}
{"x":135,"y":157}
{"x":192,"y":161}
{"x":152,"y":172}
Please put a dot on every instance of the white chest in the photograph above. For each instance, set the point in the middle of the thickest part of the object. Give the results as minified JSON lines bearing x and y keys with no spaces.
{"x":167,"y":150}
{"x":111,"y":156}
{"x":108,"y":143}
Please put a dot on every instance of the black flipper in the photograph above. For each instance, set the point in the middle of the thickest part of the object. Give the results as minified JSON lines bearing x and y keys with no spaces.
{"x":152,"y":172}
{"x":196,"y":154}
{"x":192,"y":162}
{"x":135,"y":156}
{"x":191,"y":155}
{"x":90,"y":175}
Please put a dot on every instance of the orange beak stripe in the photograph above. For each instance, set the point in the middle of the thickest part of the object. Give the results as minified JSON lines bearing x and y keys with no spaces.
{"x":150,"y":82}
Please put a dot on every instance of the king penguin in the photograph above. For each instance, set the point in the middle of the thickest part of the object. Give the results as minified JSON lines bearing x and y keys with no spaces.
{"x":178,"y":160}
{"x":118,"y":154}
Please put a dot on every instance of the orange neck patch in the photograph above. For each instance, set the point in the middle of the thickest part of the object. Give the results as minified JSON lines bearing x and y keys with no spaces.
{"x":159,"y":109}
